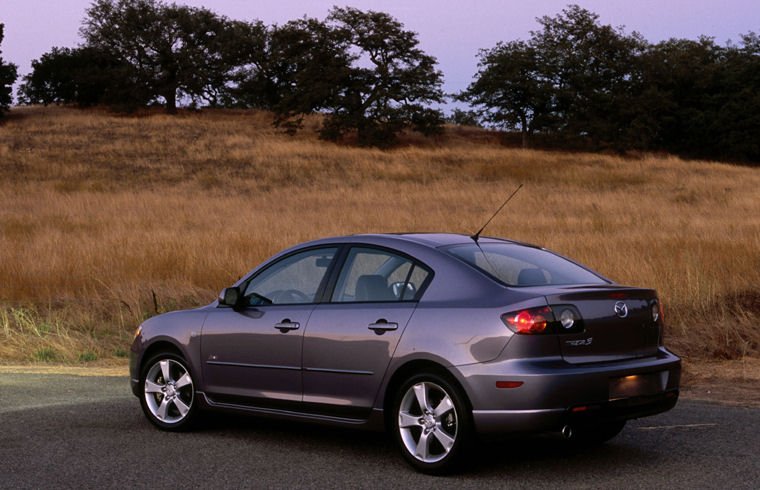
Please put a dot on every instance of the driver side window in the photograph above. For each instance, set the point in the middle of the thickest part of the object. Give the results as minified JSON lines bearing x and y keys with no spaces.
{"x":292,"y":280}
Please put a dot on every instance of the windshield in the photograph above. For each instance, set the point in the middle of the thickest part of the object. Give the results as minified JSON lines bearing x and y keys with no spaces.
{"x":518,"y":265}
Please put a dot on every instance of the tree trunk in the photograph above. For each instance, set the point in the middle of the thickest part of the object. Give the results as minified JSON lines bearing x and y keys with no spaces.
{"x":171,"y":101}
{"x":524,"y":130}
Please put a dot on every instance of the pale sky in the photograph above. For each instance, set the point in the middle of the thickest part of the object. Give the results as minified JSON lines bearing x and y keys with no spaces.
{"x":451,"y":30}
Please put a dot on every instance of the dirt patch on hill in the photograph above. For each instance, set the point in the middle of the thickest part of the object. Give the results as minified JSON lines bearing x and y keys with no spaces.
{"x":117,"y":371}
{"x":729,"y":382}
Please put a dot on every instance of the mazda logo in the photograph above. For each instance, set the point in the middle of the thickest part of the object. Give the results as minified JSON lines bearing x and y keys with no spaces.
{"x":621,"y":309}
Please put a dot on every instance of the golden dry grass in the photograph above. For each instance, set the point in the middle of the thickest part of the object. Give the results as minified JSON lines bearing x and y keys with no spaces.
{"x":100,"y":212}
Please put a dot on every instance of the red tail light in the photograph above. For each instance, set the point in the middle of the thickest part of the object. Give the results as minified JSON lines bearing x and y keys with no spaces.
{"x":542,"y":320}
{"x":662,"y":315}
{"x":529,"y":321}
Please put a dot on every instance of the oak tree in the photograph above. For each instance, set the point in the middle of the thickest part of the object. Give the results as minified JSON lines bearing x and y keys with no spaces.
{"x":172,"y":51}
{"x":8,"y":75}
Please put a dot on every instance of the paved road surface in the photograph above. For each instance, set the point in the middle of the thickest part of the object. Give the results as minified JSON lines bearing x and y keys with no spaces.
{"x":65,"y":431}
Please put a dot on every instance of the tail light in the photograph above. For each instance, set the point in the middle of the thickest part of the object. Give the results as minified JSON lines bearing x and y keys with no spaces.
{"x":658,"y":318}
{"x":530,"y":321}
{"x":656,"y":310}
{"x":662,"y":315}
{"x":542,"y":320}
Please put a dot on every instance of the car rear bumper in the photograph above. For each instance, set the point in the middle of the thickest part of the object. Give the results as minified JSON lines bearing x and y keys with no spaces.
{"x":503,"y":421}
{"x":554,"y":393}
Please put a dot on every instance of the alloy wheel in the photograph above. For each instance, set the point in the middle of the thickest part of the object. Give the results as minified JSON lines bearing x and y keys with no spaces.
{"x":427,"y":422}
{"x":169,"y":391}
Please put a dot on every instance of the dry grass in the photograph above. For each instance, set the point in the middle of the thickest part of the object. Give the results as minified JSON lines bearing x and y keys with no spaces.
{"x":100,"y":212}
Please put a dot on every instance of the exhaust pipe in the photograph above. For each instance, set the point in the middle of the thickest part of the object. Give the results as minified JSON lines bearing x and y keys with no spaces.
{"x":567,"y":432}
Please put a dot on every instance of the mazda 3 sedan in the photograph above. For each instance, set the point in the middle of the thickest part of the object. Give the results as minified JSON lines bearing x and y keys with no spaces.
{"x":438,"y":338}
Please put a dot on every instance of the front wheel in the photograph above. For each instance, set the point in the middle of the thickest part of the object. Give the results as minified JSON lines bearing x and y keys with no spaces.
{"x":168,"y":392}
{"x":431,"y":423}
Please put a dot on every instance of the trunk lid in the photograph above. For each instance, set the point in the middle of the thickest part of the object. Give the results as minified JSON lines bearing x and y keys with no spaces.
{"x":617,"y":323}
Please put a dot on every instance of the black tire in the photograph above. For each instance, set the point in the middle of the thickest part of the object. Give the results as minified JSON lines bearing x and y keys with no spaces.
{"x":432,"y":440}
{"x":593,"y":434}
{"x":169,"y":404}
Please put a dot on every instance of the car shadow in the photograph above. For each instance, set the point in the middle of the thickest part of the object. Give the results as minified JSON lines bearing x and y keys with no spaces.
{"x":519,"y":455}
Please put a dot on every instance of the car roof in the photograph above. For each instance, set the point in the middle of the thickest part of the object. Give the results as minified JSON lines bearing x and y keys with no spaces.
{"x":431,"y":240}
{"x":462,"y":283}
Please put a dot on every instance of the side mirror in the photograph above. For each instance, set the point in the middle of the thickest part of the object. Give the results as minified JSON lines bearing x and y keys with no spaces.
{"x":230,"y":297}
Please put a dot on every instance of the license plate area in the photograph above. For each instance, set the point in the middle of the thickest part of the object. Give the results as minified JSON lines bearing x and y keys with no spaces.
{"x":638,"y":385}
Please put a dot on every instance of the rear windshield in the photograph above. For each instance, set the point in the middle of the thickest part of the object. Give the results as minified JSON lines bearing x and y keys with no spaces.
{"x":518,"y":265}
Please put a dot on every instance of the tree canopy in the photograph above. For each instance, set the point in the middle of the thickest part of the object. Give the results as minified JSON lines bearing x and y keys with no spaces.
{"x":8,"y":76}
{"x":581,"y":83}
{"x":574,"y":76}
{"x":705,"y":98}
{"x":511,"y":90}
{"x":363,"y":70}
{"x":389,"y":83}
{"x":575,"y":82}
{"x":84,"y":76}
{"x":171,"y":51}
{"x":303,"y":67}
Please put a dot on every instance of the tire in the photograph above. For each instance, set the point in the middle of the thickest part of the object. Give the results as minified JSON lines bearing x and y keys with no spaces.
{"x":431,"y":423}
{"x":168,"y":392}
{"x":597,"y":433}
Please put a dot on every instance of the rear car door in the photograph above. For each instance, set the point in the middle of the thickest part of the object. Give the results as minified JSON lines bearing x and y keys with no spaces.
{"x":350,"y":340}
{"x":252,"y":355}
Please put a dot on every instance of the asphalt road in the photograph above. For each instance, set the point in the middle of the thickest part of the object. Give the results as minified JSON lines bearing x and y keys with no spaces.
{"x":64,"y":431}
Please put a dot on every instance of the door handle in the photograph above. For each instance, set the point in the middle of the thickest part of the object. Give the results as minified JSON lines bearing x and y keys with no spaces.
{"x":286,"y":325}
{"x":382,"y":325}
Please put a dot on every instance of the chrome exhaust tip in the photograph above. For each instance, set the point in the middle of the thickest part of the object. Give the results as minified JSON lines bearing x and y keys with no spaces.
{"x":567,"y":432}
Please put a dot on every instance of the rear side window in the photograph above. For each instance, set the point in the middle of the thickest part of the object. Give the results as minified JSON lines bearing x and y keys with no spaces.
{"x":371,"y":275}
{"x":518,"y":265}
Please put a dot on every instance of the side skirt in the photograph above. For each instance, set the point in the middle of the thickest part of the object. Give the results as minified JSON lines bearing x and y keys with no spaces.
{"x":374,"y":420}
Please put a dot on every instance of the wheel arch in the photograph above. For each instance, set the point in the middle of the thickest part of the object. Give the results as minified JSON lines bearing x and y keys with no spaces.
{"x":411,"y":368}
{"x":160,"y":346}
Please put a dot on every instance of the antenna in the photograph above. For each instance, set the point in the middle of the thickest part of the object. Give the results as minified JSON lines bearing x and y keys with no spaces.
{"x":477,"y":235}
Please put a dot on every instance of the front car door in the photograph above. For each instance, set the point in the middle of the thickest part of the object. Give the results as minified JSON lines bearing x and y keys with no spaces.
{"x":350,"y":340}
{"x":252,"y":355}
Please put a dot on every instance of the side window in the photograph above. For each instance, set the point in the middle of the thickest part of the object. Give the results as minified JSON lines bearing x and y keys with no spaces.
{"x":416,"y":280}
{"x":376,"y":275}
{"x":292,"y":280}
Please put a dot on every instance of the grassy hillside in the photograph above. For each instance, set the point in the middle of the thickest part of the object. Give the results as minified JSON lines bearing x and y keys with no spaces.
{"x":106,"y":219}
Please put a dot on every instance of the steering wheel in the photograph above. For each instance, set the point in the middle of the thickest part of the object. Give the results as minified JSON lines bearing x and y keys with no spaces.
{"x":399,"y":290}
{"x":290,"y":296}
{"x":259,"y":299}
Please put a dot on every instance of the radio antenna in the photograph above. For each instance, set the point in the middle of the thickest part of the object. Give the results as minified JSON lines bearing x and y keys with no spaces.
{"x":477,"y":235}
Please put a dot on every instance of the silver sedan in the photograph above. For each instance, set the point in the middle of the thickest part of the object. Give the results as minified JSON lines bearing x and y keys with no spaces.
{"x":439,"y":338}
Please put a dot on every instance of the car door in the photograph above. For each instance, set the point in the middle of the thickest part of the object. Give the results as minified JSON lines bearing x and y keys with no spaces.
{"x":252,"y":355}
{"x":350,"y":340}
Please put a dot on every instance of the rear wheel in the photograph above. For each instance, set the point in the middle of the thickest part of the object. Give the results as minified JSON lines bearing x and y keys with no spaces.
{"x":168,"y":392}
{"x":431,"y":423}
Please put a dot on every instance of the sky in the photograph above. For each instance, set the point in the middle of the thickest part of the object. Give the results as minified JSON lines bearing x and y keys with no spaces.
{"x":451,"y":30}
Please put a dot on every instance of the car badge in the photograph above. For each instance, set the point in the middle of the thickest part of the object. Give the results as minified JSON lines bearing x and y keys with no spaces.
{"x":621,"y":309}
{"x":578,"y":343}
